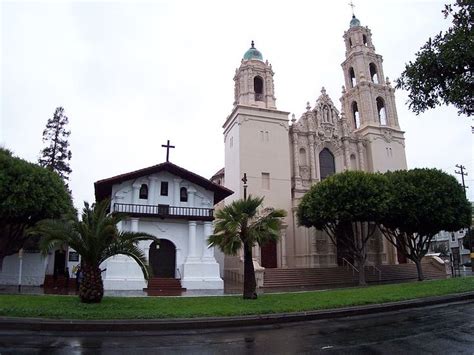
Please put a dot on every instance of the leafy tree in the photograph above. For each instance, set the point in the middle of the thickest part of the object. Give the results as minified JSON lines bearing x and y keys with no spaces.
{"x":96,"y":238}
{"x":241,"y":224}
{"x":348,"y":207}
{"x":443,"y":70}
{"x":28,"y":193}
{"x":57,"y":154}
{"x":422,"y":203}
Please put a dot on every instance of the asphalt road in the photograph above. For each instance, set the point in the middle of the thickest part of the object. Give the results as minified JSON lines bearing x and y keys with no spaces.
{"x":442,"y":329}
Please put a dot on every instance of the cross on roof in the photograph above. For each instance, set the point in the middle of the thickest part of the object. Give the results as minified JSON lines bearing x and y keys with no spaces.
{"x":351,"y":4}
{"x":168,"y":146}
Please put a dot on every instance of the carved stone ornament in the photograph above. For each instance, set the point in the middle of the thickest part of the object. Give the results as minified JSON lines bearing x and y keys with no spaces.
{"x":387,"y":135}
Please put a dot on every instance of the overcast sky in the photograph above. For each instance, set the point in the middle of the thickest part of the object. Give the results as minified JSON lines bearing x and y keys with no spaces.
{"x":131,"y":75}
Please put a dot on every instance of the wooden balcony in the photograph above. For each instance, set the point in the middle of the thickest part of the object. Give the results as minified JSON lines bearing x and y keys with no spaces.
{"x":165,"y":211}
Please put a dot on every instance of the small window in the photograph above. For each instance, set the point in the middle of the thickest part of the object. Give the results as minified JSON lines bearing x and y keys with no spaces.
{"x":364,"y":40}
{"x":258,"y":88}
{"x":164,"y":188}
{"x":453,"y":238}
{"x":356,"y":116}
{"x":266,"y":181}
{"x":373,"y":73}
{"x":352,"y":77}
{"x":350,"y":42}
{"x":144,"y":192}
{"x":183,"y":194}
{"x":381,"y":111}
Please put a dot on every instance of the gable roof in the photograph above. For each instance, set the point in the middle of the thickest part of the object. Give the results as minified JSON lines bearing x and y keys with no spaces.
{"x":103,"y":188}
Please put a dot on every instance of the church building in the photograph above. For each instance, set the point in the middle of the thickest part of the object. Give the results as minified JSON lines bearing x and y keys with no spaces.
{"x":176,"y":206}
{"x":282,"y":159}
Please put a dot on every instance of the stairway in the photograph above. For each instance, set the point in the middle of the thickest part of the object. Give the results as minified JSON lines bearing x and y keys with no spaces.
{"x":164,"y":284}
{"x":60,"y":282}
{"x":340,"y":276}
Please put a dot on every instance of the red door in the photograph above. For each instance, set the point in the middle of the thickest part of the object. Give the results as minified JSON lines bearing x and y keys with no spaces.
{"x":269,"y":255}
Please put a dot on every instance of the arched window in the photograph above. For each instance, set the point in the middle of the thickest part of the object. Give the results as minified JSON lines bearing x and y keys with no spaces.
{"x":364,"y":40}
{"x":143,"y":192}
{"x":355,"y":114}
{"x":350,"y":42}
{"x":183,"y":194}
{"x":303,"y":160}
{"x":258,"y":87}
{"x":327,"y":165}
{"x":381,"y":111}
{"x":352,"y":77}
{"x":373,"y":73}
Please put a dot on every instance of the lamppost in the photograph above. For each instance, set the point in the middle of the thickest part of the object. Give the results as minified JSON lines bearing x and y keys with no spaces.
{"x":244,"y":180}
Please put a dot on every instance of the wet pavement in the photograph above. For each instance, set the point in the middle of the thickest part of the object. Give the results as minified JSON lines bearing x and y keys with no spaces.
{"x":442,"y":329}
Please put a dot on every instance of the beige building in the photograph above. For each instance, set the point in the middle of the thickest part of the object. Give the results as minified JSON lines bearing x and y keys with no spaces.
{"x":282,"y":159}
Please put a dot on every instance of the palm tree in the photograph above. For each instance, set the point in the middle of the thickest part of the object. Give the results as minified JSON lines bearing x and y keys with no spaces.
{"x":96,"y":238}
{"x":242,"y":224}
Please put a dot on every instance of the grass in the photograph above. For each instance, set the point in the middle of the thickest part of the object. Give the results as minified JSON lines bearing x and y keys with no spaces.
{"x":69,"y":307}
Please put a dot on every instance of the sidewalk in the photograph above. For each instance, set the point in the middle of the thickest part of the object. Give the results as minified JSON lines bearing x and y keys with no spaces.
{"x":36,"y":324}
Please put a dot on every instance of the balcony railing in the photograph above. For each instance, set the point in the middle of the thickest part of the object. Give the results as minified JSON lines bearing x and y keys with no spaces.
{"x":258,"y":97}
{"x":165,"y":211}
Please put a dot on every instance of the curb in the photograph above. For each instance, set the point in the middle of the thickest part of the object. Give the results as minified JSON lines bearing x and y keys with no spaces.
{"x":41,"y":324}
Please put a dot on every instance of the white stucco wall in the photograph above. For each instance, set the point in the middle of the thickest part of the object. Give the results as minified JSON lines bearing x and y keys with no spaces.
{"x":33,"y":269}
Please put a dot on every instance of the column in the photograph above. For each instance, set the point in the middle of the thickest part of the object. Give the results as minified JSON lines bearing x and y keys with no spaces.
{"x":192,"y":252}
{"x":347,"y":160}
{"x":312,"y":158}
{"x":284,"y":263}
{"x":360,"y":150}
{"x":296,"y":163}
{"x":208,"y":252}
{"x":134,"y":225}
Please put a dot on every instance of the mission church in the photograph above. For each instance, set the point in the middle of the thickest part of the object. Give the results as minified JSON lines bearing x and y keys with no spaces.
{"x":282,"y":159}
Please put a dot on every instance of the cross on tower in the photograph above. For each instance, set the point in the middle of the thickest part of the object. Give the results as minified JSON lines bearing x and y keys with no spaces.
{"x":351,"y":4}
{"x":168,"y":146}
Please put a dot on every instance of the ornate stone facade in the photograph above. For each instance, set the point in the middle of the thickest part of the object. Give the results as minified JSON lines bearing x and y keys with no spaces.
{"x":364,"y":134}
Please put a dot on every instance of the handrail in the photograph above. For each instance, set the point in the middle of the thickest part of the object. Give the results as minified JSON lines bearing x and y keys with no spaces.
{"x":347,"y":263}
{"x":164,"y":210}
{"x":376,"y":269}
{"x":179,"y":273}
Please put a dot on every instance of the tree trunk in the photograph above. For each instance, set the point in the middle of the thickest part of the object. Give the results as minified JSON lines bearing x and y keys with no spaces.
{"x":419,"y":269}
{"x":91,"y":289}
{"x":250,"y":284}
{"x":361,"y":267}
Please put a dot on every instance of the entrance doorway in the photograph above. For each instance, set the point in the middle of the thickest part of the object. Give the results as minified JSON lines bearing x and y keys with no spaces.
{"x":401,"y":258}
{"x":59,"y":262}
{"x":343,"y":252}
{"x":162,"y":258}
{"x":268,"y":253}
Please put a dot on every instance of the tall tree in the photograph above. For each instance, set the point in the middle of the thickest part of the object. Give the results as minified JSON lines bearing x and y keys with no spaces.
{"x":56,"y":155}
{"x":96,"y":238}
{"x":422,"y":202}
{"x":244,"y":223}
{"x":28,"y":193}
{"x":444,"y":67}
{"x":347,"y":206}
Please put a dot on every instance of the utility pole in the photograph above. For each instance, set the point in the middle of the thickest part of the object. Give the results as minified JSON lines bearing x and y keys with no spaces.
{"x":462,"y":173}
{"x":468,"y":233}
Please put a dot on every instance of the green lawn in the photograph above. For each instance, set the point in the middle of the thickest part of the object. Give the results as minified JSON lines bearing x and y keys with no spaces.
{"x":69,"y":307}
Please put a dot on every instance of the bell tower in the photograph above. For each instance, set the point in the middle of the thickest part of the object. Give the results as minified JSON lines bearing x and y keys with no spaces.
{"x":256,"y":144}
{"x":254,"y":81}
{"x":368,"y":101}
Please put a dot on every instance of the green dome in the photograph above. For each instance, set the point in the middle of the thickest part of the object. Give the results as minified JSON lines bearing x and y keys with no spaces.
{"x":253,"y":53}
{"x":355,"y":21}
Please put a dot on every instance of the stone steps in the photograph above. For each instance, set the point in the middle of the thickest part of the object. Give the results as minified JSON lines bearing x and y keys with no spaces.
{"x":164,"y":284}
{"x":314,"y":277}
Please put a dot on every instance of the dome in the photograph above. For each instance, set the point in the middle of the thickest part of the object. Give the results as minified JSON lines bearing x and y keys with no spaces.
{"x":253,"y":53}
{"x":354,"y":22}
